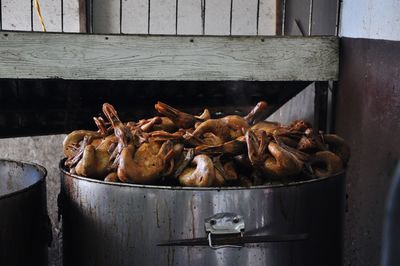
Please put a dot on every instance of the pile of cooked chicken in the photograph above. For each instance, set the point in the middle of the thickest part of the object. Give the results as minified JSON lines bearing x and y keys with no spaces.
{"x":177,"y":148}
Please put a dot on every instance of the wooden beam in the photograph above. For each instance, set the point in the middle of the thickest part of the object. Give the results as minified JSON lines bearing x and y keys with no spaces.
{"x":140,"y":57}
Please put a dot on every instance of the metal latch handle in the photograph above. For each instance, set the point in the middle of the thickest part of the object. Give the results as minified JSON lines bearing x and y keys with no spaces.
{"x":228,"y":230}
{"x":224,"y":223}
{"x":211,"y":245}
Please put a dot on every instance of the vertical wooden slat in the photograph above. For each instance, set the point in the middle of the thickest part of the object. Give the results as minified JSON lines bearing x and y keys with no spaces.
{"x":163,"y":17}
{"x":300,"y":10}
{"x":270,"y":15}
{"x":217,"y":17}
{"x":106,"y":16}
{"x":32,"y":15}
{"x":51,"y":13}
{"x":120,"y":16}
{"x":176,"y":17}
{"x":71,"y":16}
{"x":16,"y":15}
{"x":135,"y":16}
{"x":230,"y":17}
{"x":324,"y":17}
{"x":1,"y":20}
{"x":244,"y":17}
{"x":190,"y":17}
{"x":86,"y":7}
{"x":203,"y":16}
{"x":62,"y":15}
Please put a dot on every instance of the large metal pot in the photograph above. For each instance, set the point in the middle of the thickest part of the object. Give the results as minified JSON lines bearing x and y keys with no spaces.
{"x":23,"y":214}
{"x":124,"y":224}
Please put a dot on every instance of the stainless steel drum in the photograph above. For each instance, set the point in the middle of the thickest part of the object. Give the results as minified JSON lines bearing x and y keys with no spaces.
{"x":23,"y":214}
{"x":125,"y":224}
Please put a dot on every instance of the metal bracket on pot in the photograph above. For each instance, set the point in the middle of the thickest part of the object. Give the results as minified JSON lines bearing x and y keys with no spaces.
{"x":227,"y":229}
{"x":223,"y":224}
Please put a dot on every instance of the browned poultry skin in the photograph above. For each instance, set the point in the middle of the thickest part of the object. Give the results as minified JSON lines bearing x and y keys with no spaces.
{"x":266,"y":126}
{"x":180,"y":119}
{"x":146,"y":165}
{"x":101,"y":125}
{"x":326,"y":163}
{"x":200,"y":151}
{"x":148,"y":124}
{"x":164,"y":136}
{"x":219,"y":180}
{"x":182,"y":162}
{"x":338,"y":146}
{"x":287,"y":136}
{"x":235,"y":122}
{"x":242,"y":161}
{"x":94,"y":163}
{"x":282,"y":163}
{"x":310,"y":142}
{"x":120,"y":130}
{"x":74,"y":138}
{"x":230,"y":171}
{"x":258,"y":113}
{"x":231,"y":148}
{"x":112,"y":177}
{"x":278,"y":162}
{"x":105,"y":143}
{"x":204,"y":116}
{"x":77,"y":150}
{"x":256,"y":147}
{"x":202,"y":175}
{"x":215,"y":126}
{"x":299,"y":125}
{"x":227,"y":128}
{"x":211,"y":139}
{"x":166,"y":124}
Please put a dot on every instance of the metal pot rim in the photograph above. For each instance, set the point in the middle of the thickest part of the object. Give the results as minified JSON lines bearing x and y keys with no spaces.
{"x":20,"y":191}
{"x":292,"y":184}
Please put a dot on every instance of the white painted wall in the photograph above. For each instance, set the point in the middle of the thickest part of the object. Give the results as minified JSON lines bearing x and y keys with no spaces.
{"x":372,"y":19}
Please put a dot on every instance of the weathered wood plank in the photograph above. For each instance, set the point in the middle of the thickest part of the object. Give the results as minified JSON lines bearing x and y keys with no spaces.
{"x":71,"y":16}
{"x":81,"y":56}
{"x":51,"y":13}
{"x":270,"y":17}
{"x":162,"y":17}
{"x":16,"y":15}
{"x":135,"y":16}
{"x":190,"y":17}
{"x":324,"y":17}
{"x":244,"y":17}
{"x":217,"y":17}
{"x":106,"y":18}
{"x":297,"y":10}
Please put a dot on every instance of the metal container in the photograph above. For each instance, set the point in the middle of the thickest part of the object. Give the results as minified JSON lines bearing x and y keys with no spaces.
{"x":24,"y":223}
{"x":126,"y":224}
